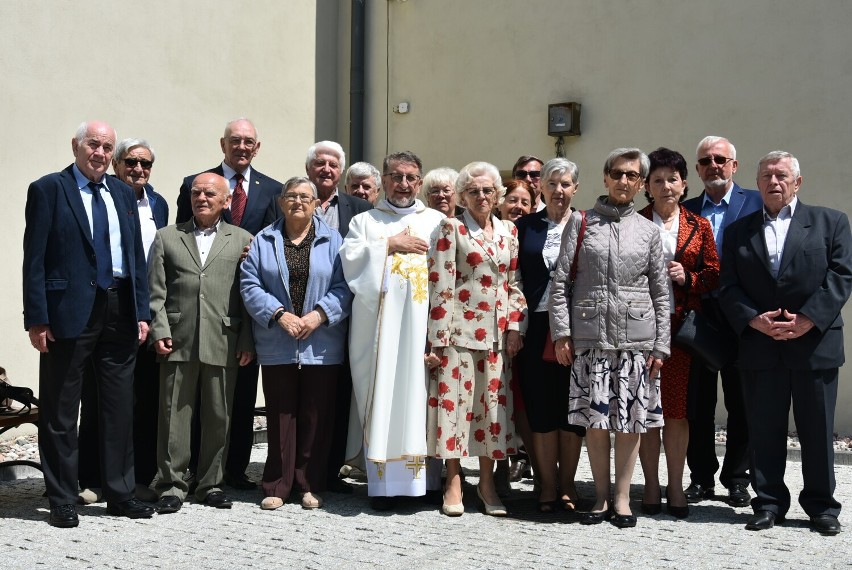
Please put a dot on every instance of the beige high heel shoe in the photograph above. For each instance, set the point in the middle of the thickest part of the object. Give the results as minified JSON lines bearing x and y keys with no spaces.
{"x":498,"y":510}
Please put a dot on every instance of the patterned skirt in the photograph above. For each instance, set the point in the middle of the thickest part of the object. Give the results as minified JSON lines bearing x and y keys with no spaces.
{"x":610,"y":389}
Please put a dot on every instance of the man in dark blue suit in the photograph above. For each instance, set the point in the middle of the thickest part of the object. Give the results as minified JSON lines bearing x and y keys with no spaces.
{"x":252,"y":208}
{"x":132,"y":162}
{"x":324,"y":164}
{"x":722,"y":202}
{"x":85,"y":300}
{"x":786,"y":274}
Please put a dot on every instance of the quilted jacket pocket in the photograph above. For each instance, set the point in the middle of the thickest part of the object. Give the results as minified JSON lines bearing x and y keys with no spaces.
{"x":585,"y":322}
{"x":641,"y":323}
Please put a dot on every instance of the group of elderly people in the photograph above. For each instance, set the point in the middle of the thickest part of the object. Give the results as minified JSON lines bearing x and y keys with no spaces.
{"x":521,"y":286}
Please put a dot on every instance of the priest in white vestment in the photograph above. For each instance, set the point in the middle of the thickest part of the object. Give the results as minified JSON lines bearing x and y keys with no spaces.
{"x":385,"y":263}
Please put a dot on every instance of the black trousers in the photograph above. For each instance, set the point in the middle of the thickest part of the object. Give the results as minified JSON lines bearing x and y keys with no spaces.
{"x":813,"y":393}
{"x":701,"y":413}
{"x":108,"y":343}
{"x":146,"y":395}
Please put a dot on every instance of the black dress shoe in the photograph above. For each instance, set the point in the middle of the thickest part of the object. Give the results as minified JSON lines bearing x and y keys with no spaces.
{"x":595,"y":518}
{"x":337,"y":486}
{"x":738,"y":495}
{"x":168,"y":504}
{"x":218,"y":500}
{"x":382,"y":503}
{"x":131,"y":508}
{"x":652,"y":508}
{"x":676,"y":512}
{"x":239,"y":482}
{"x":696,"y":493}
{"x":65,"y":516}
{"x":826,"y":524}
{"x":624,"y":521}
{"x":763,"y":520}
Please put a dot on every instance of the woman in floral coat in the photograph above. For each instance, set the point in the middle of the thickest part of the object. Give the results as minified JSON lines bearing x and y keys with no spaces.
{"x":476,"y":319}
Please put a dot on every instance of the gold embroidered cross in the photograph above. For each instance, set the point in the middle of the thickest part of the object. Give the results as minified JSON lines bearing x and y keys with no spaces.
{"x":416,"y":463}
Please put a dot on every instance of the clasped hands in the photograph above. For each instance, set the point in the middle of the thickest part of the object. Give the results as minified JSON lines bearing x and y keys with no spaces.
{"x":795,"y":326}
{"x":514,"y":344}
{"x":300,"y":327}
{"x":564,"y":348}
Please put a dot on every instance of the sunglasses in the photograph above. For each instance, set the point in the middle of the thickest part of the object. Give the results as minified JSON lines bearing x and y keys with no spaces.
{"x":523,"y":174}
{"x":132,"y":162}
{"x":720,"y":160}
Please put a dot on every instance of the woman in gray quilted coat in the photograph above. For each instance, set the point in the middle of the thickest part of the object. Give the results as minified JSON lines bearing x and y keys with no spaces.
{"x":613,"y":329}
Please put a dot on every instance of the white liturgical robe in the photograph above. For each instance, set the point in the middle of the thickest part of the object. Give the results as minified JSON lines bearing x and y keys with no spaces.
{"x":387,"y":340}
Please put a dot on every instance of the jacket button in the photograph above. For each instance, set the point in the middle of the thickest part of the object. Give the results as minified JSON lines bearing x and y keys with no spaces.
{"x":92,"y":283}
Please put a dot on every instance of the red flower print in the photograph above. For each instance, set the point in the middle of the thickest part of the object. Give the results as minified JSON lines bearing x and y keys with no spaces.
{"x":516,"y":316}
{"x":463,"y":230}
{"x":490,"y":251}
{"x":443,"y":244}
{"x":473,"y":259}
{"x":469,"y":417}
{"x":479,"y":435}
{"x":469,"y":315}
{"x":480,"y":365}
{"x":492,"y":357}
{"x":468,"y":385}
{"x":501,"y":268}
{"x":455,"y":373}
{"x":433,"y":276}
{"x":485,"y":281}
{"x":438,"y":432}
{"x":513,"y":264}
{"x":502,"y":323}
{"x":448,"y":405}
{"x":443,"y":388}
{"x":505,"y":285}
{"x":433,"y":402}
{"x":437,"y":313}
{"x":451,"y":443}
{"x":495,"y":428}
{"x":501,"y":399}
{"x":494,"y":385}
{"x":497,"y":454}
{"x":479,"y":334}
{"x":464,"y":295}
{"x":445,"y":360}
{"x":483,"y":306}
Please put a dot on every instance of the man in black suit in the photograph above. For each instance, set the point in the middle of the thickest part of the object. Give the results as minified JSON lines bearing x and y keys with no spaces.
{"x":722,"y":202}
{"x":85,"y":300}
{"x":252,"y":208}
{"x":786,"y":274}
{"x":324,"y":164}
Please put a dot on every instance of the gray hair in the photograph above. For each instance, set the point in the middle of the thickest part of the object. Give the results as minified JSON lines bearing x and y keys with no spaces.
{"x":127,"y":145}
{"x":364,"y":170}
{"x":628,"y":154}
{"x":777,"y":155}
{"x":710,"y":140}
{"x":329,"y":147}
{"x":474,"y":169}
{"x":80,"y":135}
{"x":559,"y":166}
{"x":238,"y":119}
{"x":444,"y":175}
{"x":405,"y":157}
{"x":298,"y":181}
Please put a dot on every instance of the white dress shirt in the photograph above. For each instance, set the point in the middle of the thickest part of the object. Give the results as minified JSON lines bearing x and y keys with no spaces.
{"x":775,"y":233}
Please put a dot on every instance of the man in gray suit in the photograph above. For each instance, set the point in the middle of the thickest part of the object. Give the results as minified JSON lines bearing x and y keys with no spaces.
{"x":201,"y":332}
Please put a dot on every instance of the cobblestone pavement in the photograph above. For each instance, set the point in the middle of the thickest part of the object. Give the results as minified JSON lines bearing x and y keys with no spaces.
{"x":347,"y":534}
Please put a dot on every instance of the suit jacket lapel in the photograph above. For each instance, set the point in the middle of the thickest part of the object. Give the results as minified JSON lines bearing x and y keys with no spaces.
{"x":188,"y":239}
{"x":223,"y":236}
{"x":757,"y":242}
{"x":735,"y":206}
{"x":75,"y":201}
{"x":796,"y":234}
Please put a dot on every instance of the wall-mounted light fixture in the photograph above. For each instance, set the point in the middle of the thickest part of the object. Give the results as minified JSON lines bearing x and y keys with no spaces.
{"x":563,"y":120}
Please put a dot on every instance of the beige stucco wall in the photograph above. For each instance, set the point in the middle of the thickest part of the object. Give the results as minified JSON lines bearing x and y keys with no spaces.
{"x":479,"y":75}
{"x":171,"y":72}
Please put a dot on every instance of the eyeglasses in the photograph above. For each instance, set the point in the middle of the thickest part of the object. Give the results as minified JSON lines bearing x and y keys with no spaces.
{"x":438,"y":191}
{"x":303,"y":198}
{"x":617,"y":175}
{"x":237,"y":141}
{"x":132,"y":162}
{"x":398,"y":178}
{"x":720,"y":160}
{"x":487,"y":191}
{"x":523,"y":174}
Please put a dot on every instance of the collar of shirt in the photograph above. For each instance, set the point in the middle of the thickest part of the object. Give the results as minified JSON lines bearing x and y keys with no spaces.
{"x":499,"y":228}
{"x":83,"y":182}
{"x":332,"y":201}
{"x":228,"y":173}
{"x":785,"y":213}
{"x":726,"y":199}
{"x":208,"y":231}
{"x":144,"y":201}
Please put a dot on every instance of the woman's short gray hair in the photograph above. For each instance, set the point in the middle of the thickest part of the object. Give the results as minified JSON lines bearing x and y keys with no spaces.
{"x":127,"y":145}
{"x":444,"y":176}
{"x":559,"y":166}
{"x":364,"y":170}
{"x":628,"y":154}
{"x":479,"y":168}
{"x":298,"y":181}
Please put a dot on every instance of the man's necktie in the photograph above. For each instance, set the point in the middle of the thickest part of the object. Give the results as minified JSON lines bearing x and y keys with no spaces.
{"x":100,"y":237}
{"x":238,"y":201}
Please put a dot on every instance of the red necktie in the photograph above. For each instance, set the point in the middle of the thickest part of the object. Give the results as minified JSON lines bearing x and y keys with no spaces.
{"x":238,"y":201}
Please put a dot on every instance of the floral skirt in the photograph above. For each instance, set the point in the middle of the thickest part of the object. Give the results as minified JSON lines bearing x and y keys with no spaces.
{"x":470,"y":405}
{"x":610,"y":389}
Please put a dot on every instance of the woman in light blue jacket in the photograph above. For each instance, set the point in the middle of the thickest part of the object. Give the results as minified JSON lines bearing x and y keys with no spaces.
{"x":293,"y":287}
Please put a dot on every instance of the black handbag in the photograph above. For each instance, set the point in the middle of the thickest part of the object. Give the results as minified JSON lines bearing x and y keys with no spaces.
{"x":700,"y":337}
